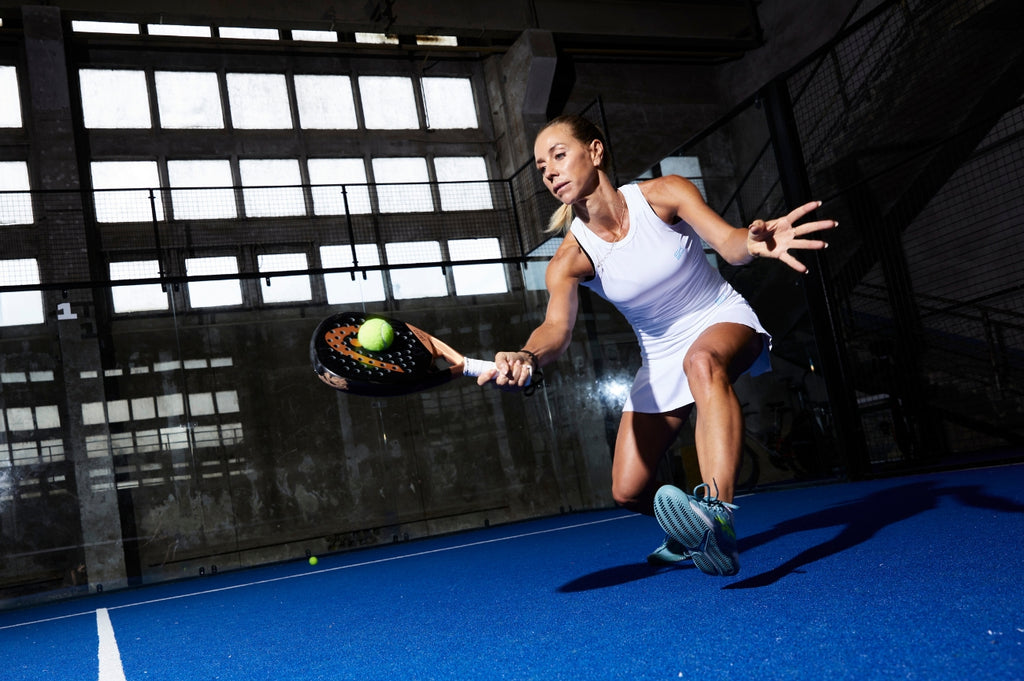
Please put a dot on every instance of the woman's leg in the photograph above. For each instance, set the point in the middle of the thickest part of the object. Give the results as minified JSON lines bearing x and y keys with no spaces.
{"x":714,"y":361}
{"x":642,"y":441}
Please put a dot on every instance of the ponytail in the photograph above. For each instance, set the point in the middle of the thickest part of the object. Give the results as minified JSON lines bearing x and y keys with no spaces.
{"x":560,"y":220}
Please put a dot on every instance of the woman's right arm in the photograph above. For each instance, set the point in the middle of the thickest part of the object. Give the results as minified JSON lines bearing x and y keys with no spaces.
{"x":548,"y":341}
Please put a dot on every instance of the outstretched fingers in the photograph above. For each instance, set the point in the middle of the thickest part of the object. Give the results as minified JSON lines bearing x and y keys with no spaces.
{"x":803,"y":210}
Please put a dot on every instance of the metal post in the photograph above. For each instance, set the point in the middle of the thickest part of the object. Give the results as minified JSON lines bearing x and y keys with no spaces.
{"x":827,"y":330}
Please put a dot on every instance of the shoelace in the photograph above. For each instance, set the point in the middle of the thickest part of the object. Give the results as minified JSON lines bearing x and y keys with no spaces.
{"x":712,"y":501}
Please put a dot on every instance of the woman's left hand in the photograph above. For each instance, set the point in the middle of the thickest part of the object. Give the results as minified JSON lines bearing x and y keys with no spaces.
{"x":775,"y":238}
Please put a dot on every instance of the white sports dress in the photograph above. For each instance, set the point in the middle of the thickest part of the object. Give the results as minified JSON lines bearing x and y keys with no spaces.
{"x":659,"y":278}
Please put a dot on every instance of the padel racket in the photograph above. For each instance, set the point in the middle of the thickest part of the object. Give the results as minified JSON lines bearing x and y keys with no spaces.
{"x":406,"y":366}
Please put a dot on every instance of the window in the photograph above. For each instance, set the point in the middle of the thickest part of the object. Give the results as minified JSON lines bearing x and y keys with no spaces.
{"x":463,"y":195}
{"x":16,"y":203}
{"x":243,"y":33}
{"x":180,"y":30}
{"x":190,"y":203}
{"x":343,"y":287}
{"x":376,"y":38}
{"x":259,"y":101}
{"x":104,"y":27}
{"x":115,"y":98}
{"x":10,"y":98}
{"x":315,"y":36}
{"x":287,"y":288}
{"x":416,"y":282}
{"x":533,"y":273}
{"x":325,"y":102}
{"x":121,"y":191}
{"x":402,"y":198}
{"x":20,"y":307}
{"x":271,"y":187}
{"x":137,"y":297}
{"x":215,"y":292}
{"x":188,"y":100}
{"x":481,"y":277}
{"x":448,"y":103}
{"x":388,"y":103}
{"x":327,"y":175}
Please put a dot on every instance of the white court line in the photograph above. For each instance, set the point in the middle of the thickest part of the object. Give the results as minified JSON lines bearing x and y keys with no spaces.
{"x":325,"y":570}
{"x":109,"y":655}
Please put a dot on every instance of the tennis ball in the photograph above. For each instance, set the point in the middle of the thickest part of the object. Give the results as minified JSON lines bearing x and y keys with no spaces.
{"x":313,"y":560}
{"x":376,"y":335}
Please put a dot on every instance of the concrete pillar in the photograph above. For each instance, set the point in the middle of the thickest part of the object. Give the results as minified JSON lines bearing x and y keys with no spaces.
{"x":75,"y":315}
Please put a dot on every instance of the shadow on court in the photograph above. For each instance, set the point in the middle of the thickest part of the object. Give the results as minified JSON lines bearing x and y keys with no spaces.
{"x":858,"y":521}
{"x":620,"y":574}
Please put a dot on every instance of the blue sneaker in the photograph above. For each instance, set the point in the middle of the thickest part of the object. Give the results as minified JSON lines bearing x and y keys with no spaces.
{"x":702,"y":525}
{"x":669,"y":553}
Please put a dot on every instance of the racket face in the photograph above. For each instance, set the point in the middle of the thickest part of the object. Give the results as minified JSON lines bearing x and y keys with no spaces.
{"x":406,"y":366}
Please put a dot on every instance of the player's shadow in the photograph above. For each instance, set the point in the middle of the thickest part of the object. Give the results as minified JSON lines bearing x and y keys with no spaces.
{"x":620,"y":574}
{"x":859,"y":520}
{"x":862,"y":519}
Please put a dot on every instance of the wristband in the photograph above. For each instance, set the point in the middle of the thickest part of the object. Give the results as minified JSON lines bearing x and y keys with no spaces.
{"x":533,"y":358}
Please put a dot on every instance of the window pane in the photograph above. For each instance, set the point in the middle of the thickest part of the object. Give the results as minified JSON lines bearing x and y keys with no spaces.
{"x":259,"y":101}
{"x":398,"y":198}
{"x":20,"y":307}
{"x":449,"y":103}
{"x":15,"y":207}
{"x":10,"y":98}
{"x":137,"y":297}
{"x":328,"y":200}
{"x":479,"y":278}
{"x":419,"y":282}
{"x":464,"y":195}
{"x":115,"y":99}
{"x":126,"y":206}
{"x":244,"y":33}
{"x":104,"y":27}
{"x":533,"y":275}
{"x":194,"y":204}
{"x":315,"y":36}
{"x":272,"y":187}
{"x":686,"y":166}
{"x":341,"y":286}
{"x":188,"y":99}
{"x":388,"y":103}
{"x":215,"y":292}
{"x":284,"y":289}
{"x":180,"y":30}
{"x":325,"y":102}
{"x":376,"y":38}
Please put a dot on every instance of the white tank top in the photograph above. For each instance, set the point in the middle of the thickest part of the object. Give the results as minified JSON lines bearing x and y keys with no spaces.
{"x":658,"y":277}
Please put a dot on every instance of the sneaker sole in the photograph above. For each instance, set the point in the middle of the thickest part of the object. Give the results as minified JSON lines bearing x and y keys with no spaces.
{"x":673,"y":512}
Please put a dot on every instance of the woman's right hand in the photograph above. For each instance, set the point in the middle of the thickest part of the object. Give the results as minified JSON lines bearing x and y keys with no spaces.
{"x":513,"y":371}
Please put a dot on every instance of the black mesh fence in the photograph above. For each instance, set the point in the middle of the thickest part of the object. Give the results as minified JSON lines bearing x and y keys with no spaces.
{"x":910,"y":126}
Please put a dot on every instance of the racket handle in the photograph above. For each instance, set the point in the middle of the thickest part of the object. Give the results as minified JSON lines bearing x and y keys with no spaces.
{"x":475,"y":367}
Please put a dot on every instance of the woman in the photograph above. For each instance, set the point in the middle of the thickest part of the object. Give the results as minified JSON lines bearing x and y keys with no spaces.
{"x":639,"y":247}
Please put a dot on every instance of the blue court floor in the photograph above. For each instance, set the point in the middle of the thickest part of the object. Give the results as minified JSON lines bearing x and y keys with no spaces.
{"x":904,"y":578}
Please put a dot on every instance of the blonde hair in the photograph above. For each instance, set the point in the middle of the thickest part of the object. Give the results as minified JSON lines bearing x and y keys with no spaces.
{"x":586,"y":132}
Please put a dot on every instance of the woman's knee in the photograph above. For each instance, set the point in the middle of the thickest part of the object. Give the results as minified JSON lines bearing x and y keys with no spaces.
{"x":638,"y":501}
{"x":704,"y":367}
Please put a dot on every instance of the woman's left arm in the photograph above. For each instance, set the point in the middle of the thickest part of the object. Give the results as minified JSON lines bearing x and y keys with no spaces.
{"x":673,"y":196}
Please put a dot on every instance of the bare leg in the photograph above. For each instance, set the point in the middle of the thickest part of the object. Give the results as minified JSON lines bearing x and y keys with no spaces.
{"x":715,"y":360}
{"x":639,"y":446}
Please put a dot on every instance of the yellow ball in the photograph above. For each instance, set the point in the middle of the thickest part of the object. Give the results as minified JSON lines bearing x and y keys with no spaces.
{"x":376,"y":335}
{"x":313,"y":560}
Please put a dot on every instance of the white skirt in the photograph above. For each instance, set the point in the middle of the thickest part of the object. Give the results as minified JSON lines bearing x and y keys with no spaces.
{"x":660,"y":385}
